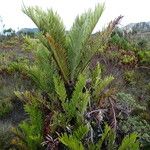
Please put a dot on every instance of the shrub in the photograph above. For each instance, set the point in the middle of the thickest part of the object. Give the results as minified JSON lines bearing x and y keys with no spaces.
{"x":5,"y":106}
{"x":144,"y":56}
{"x":120,"y":41}
{"x":129,"y":76}
{"x":127,"y":103}
{"x":5,"y":135}
{"x":137,"y":125}
{"x":10,"y":83}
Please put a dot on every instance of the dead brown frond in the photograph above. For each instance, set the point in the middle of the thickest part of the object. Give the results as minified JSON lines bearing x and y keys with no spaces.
{"x":112,"y":114}
{"x":106,"y":33}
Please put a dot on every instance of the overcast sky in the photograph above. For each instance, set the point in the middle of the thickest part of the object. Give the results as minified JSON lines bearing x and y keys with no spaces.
{"x":132,"y":10}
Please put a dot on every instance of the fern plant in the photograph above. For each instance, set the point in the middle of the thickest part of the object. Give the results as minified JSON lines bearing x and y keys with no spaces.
{"x":29,"y":133}
{"x":73,"y":141}
{"x":70,"y":93}
{"x":72,"y":50}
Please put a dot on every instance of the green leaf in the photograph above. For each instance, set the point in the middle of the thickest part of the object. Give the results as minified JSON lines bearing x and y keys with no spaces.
{"x":96,"y":74}
{"x":78,"y":91}
{"x":60,"y":88}
{"x":104,"y":135}
{"x":130,"y":143}
{"x":81,"y":132}
{"x":71,"y":142}
{"x":101,"y":85}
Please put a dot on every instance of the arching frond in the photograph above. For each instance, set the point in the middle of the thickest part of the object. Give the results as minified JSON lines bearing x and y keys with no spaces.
{"x":79,"y":35}
{"x":47,"y":22}
{"x":53,"y":36}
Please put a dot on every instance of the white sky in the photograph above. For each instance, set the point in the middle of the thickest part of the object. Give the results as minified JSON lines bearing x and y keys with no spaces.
{"x":132,"y":10}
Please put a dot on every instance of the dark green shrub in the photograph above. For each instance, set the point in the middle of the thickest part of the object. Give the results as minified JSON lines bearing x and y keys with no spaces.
{"x":127,"y":103}
{"x":137,"y":125}
{"x":142,"y":44}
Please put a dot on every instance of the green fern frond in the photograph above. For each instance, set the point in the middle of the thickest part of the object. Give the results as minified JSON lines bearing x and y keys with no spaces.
{"x":79,"y":88}
{"x":53,"y":31}
{"x":101,"y":85}
{"x":104,"y":136}
{"x":60,"y":88}
{"x":30,"y":132}
{"x":76,"y":107}
{"x":81,"y":132}
{"x":77,"y":94}
{"x":130,"y":142}
{"x":48,"y":22}
{"x":42,"y":70}
{"x":82,"y":107}
{"x":79,"y":35}
{"x":72,"y":107}
{"x":108,"y":137}
{"x":74,"y":141}
{"x":96,"y":74}
{"x":39,"y":77}
{"x":59,"y":55}
{"x":71,"y":142}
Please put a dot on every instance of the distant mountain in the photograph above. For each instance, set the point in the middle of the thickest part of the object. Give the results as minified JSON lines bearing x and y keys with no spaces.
{"x":140,"y":27}
{"x":28,"y":30}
